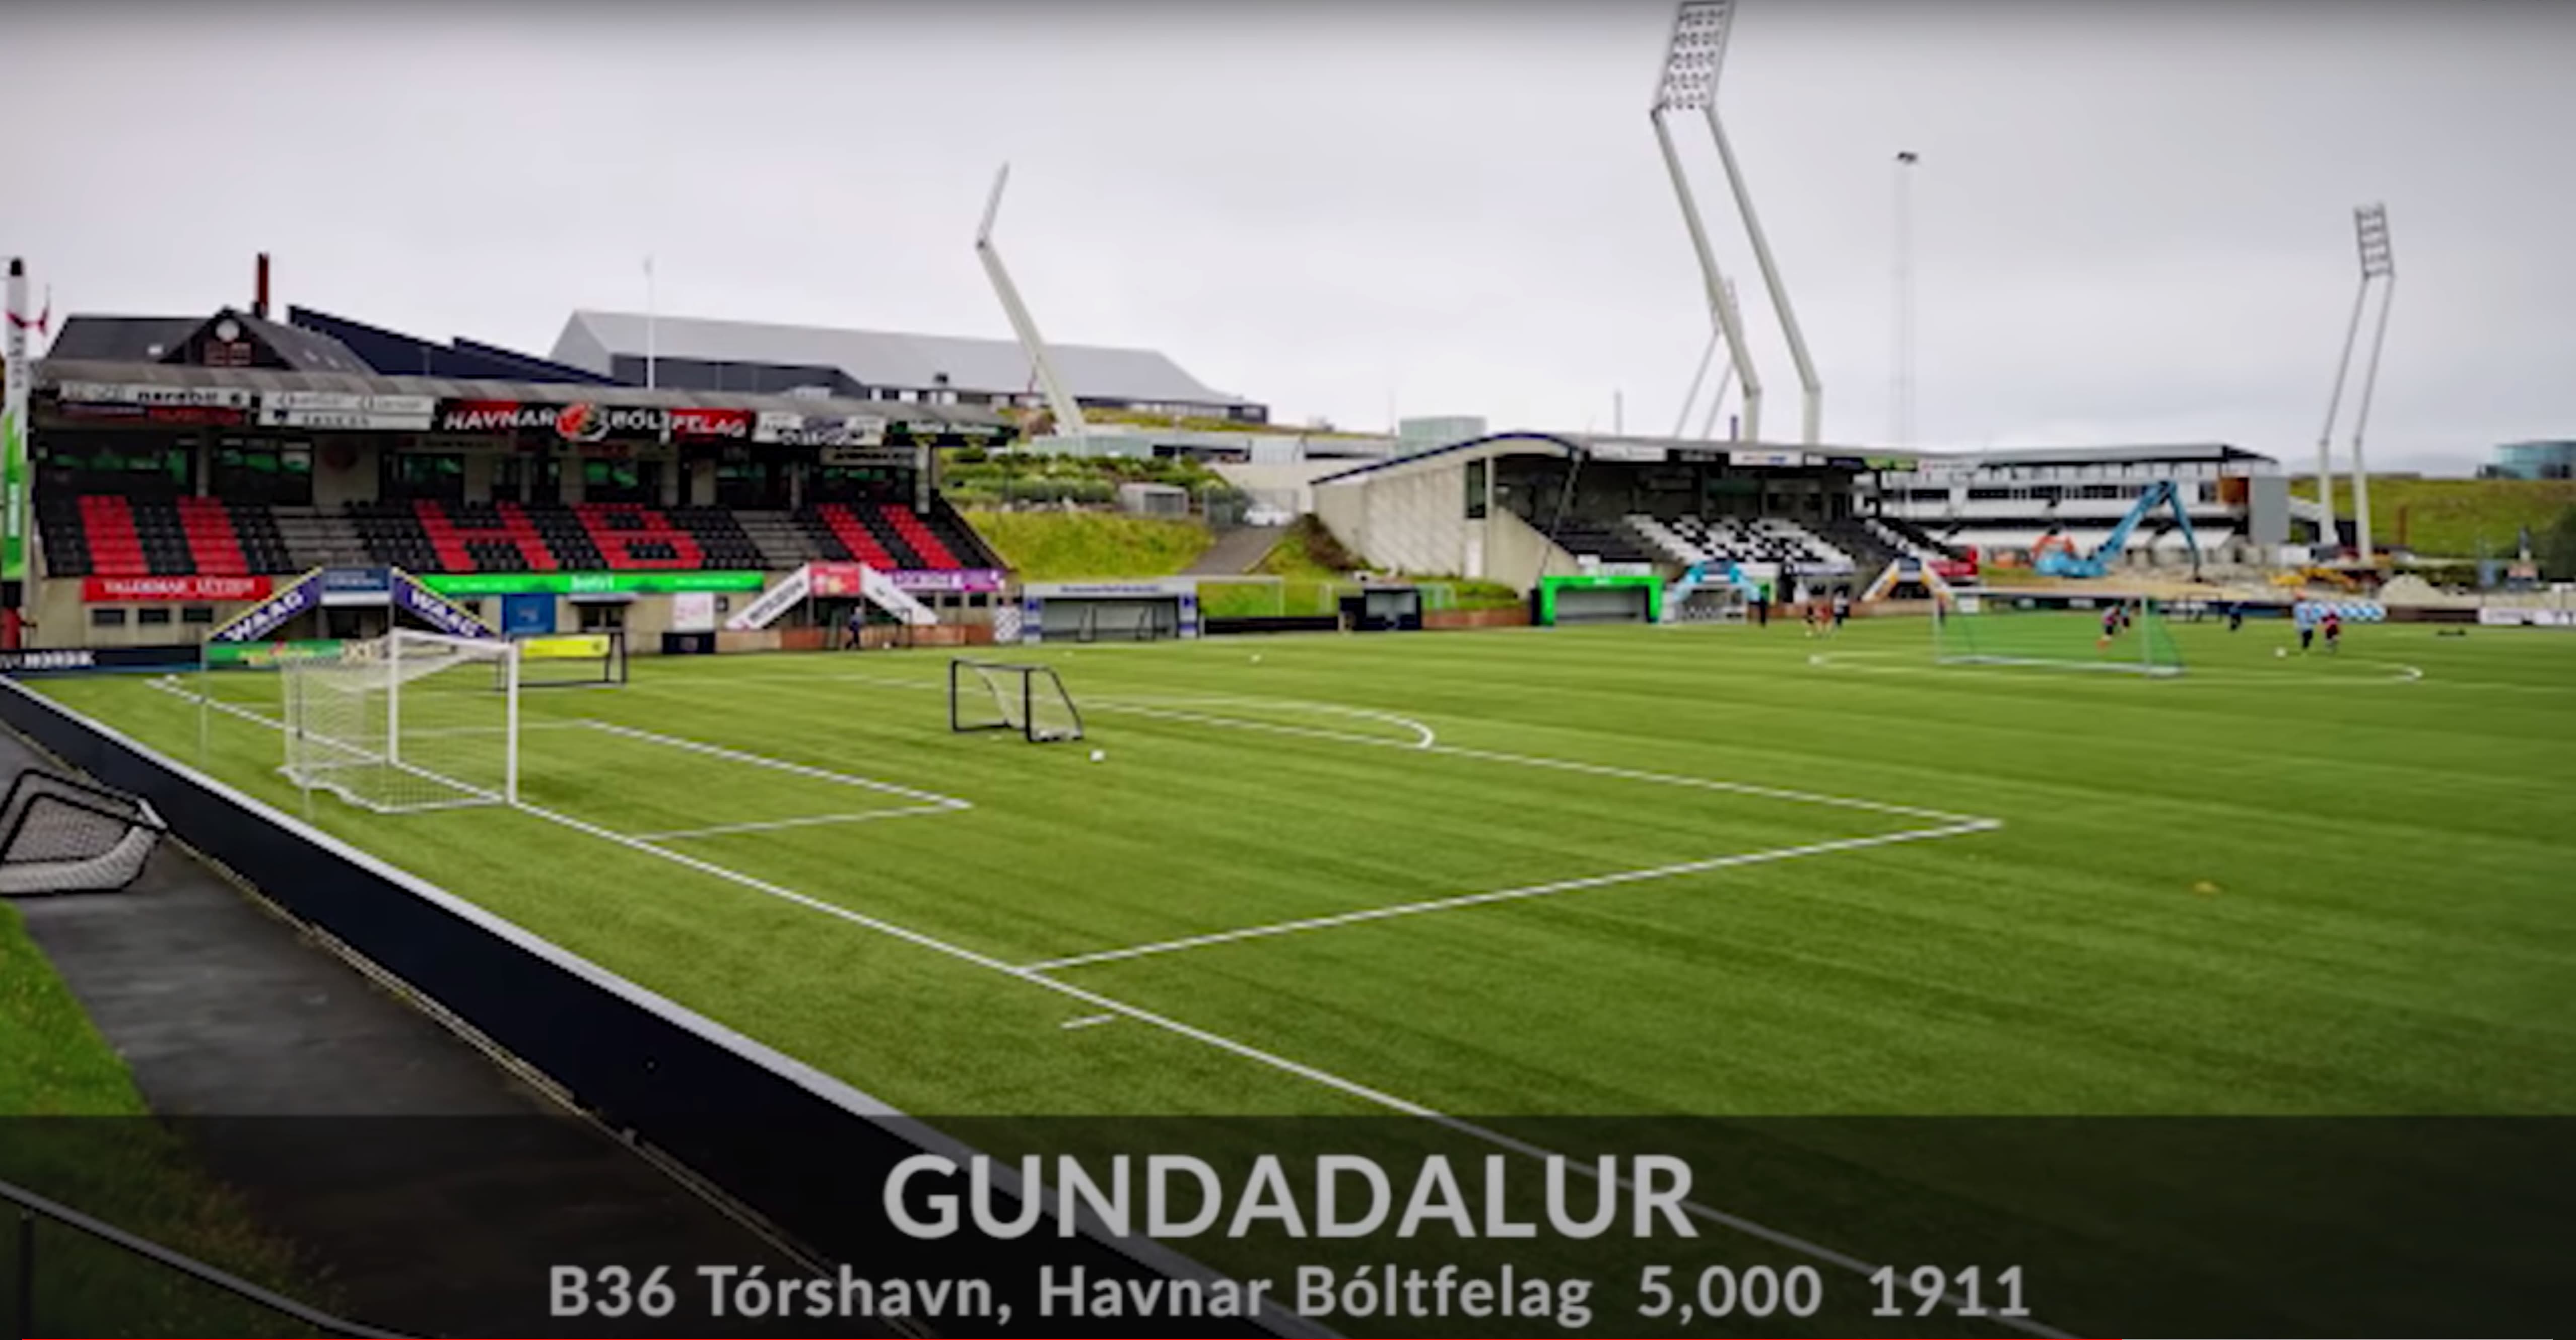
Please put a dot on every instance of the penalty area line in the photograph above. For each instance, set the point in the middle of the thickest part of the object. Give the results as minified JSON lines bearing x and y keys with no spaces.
{"x":1511,"y":895}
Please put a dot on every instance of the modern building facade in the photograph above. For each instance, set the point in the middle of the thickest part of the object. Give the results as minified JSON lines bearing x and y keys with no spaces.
{"x":2534,"y":460}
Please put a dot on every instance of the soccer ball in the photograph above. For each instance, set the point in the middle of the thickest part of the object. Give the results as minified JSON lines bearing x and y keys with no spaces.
{"x":2281,"y":651}
{"x":1098,"y":754}
{"x":1256,"y":658}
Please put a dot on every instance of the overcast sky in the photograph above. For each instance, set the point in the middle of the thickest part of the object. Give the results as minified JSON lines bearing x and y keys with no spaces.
{"x":2132,"y":223}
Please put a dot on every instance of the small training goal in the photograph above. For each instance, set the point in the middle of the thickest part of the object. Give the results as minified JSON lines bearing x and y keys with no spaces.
{"x":1028,"y":699}
{"x":405,"y":722}
{"x":62,"y":835}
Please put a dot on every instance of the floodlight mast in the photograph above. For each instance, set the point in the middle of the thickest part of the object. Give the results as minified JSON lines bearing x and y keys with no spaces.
{"x":1068,"y":413}
{"x":2370,"y":230}
{"x":1812,"y":418}
{"x":1710,"y":276}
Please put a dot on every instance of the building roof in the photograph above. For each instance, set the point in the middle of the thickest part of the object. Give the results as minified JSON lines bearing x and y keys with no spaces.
{"x":2111,"y":455}
{"x":52,"y":373}
{"x":152,"y":339}
{"x":395,"y":354}
{"x":122,"y":339}
{"x":877,"y":358}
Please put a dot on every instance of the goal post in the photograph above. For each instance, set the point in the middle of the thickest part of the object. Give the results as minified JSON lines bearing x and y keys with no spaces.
{"x":406,"y":722}
{"x":1027,"y":699}
{"x":2121,"y":635}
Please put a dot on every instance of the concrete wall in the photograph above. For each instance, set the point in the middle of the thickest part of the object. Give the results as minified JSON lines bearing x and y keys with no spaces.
{"x":353,"y":482}
{"x":1413,"y":521}
{"x":1286,"y":484}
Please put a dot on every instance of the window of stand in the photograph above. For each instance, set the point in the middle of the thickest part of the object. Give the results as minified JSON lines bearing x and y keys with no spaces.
{"x":423,"y":474}
{"x":250,"y":470}
{"x":753,"y":484}
{"x":136,"y":465}
{"x":621,"y":481}
{"x":856,"y":484}
{"x":602,"y":617}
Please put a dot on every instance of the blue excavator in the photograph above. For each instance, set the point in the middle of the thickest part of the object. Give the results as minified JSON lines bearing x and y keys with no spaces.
{"x":2056,"y":557}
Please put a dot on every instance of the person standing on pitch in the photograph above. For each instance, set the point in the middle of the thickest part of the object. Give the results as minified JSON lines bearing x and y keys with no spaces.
{"x":1762,"y":606}
{"x":1842,"y":607}
{"x":2235,"y":615}
{"x":2334,"y":629}
{"x":2305,"y":616}
{"x":2111,"y":623}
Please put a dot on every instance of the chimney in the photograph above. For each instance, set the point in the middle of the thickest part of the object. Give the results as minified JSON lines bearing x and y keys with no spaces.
{"x":259,"y":295}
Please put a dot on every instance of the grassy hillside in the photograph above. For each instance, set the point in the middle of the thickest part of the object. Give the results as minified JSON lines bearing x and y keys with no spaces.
{"x":1060,"y":546}
{"x":2447,"y":518}
{"x":124,"y":1169}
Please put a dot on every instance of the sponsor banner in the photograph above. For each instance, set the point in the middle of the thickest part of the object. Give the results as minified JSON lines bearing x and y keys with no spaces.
{"x":775,"y":601}
{"x":1170,"y":586}
{"x":693,"y":612}
{"x":123,"y":393}
{"x":117,"y":590}
{"x":710,"y":425}
{"x":356,"y":586}
{"x":919,"y":580}
{"x":426,"y":605}
{"x":259,"y":621}
{"x":1626,"y":451}
{"x":463,"y":585}
{"x":837,"y":579}
{"x":1766,"y":459}
{"x":270,"y":655}
{"x":568,"y":647}
{"x":76,"y":659}
{"x":586,"y":422}
{"x":819,"y":430}
{"x":2526,"y":618}
{"x":334,"y":410}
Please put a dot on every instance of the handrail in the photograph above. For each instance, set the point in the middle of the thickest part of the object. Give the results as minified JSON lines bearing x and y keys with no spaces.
{"x":30,"y":1205}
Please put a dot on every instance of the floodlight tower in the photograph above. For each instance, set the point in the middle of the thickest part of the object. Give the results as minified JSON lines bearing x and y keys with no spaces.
{"x":1691,"y":66}
{"x":2370,"y":232}
{"x":1689,"y":81}
{"x":2370,"y":228}
{"x":1068,"y":413}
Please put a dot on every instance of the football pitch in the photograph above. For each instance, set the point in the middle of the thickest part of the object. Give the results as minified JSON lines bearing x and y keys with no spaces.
{"x":1596,"y":871}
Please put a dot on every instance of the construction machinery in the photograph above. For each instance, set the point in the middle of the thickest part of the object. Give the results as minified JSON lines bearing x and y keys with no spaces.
{"x":2055,"y":556}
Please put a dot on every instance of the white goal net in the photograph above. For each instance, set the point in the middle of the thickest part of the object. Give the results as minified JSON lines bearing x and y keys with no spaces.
{"x":1026,"y":699}
{"x":408,"y":721}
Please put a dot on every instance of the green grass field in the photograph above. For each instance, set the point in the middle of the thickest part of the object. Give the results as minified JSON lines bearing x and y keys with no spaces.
{"x":1582,"y":871}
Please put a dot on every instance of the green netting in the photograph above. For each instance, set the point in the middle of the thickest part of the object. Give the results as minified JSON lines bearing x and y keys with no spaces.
{"x":2004,"y":631}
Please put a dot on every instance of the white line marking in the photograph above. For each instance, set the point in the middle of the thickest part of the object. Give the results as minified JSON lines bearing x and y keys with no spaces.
{"x":1424,"y":737}
{"x":763,"y":761}
{"x":1273,"y":1060}
{"x":809,"y":821}
{"x":1508,"y":895}
{"x":1090,"y":1021}
{"x":2231,"y":676}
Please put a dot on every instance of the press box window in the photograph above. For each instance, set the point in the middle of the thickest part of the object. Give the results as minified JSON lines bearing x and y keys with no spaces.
{"x":197,"y":614}
{"x":153,"y":615}
{"x":107,"y":618}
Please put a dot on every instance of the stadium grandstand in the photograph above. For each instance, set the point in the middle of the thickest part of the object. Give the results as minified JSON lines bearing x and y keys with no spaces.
{"x":188,"y":469}
{"x":1524,"y":507}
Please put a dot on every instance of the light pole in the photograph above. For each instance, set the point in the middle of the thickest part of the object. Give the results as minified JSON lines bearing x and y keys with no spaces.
{"x":2370,"y":230}
{"x":1901,"y":401}
{"x":1688,"y":81}
{"x":2370,"y":233}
